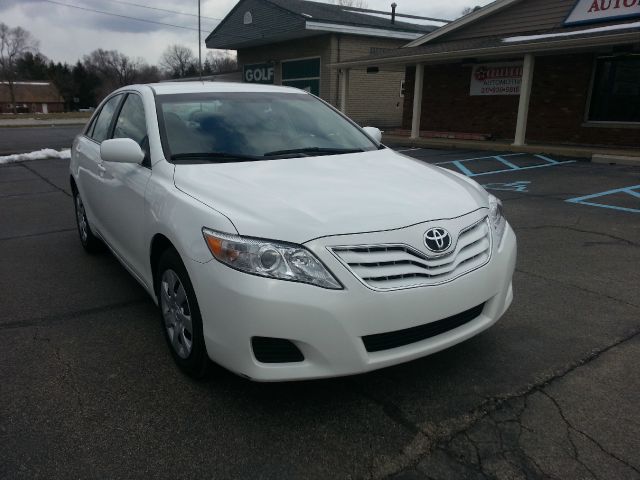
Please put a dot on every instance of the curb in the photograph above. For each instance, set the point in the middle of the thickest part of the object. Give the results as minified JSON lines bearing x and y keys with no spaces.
{"x":580,"y":152}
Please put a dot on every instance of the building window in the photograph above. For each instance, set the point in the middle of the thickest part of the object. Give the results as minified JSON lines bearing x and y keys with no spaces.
{"x":302,"y":73}
{"x":616,"y":90}
{"x":402,"y":89}
{"x":248,"y":18}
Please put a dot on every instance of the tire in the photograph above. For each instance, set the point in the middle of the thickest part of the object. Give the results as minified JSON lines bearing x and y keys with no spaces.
{"x":180,"y":315}
{"x":89,"y":241}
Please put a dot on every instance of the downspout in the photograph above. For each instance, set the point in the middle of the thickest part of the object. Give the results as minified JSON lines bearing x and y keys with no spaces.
{"x":337,"y":102}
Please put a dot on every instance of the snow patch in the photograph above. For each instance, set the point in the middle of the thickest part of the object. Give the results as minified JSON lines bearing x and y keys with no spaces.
{"x":621,"y":26}
{"x":37,"y":155}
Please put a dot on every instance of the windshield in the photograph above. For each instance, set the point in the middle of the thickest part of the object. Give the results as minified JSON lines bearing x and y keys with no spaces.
{"x":252,"y":126}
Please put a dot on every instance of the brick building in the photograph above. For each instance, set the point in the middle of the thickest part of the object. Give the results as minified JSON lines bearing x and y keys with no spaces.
{"x":293,"y":42}
{"x":539,"y":71}
{"x":31,"y":97}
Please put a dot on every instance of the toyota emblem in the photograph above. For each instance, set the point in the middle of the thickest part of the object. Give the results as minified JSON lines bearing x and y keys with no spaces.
{"x":437,"y":239}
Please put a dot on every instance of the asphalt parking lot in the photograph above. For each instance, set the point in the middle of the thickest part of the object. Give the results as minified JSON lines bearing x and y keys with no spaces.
{"x":89,"y":390}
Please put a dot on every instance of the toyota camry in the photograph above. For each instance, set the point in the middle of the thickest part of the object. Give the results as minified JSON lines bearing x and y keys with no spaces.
{"x":281,"y":240}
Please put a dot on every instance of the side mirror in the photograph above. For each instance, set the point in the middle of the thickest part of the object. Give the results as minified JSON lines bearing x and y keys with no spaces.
{"x":374,"y":133}
{"x":121,"y":150}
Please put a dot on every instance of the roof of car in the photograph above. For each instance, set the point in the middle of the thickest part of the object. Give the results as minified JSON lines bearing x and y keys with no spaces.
{"x":168,"y":88}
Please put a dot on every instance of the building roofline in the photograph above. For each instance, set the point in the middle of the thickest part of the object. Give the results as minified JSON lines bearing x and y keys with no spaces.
{"x":331,"y":27}
{"x":493,"y":51}
{"x":463,"y":21}
{"x":403,"y":31}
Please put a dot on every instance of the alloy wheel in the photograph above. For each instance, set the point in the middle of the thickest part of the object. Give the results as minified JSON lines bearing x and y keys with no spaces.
{"x":176,"y":313}
{"x":81,"y":217}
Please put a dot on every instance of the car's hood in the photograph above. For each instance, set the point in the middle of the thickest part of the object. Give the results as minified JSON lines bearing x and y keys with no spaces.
{"x":299,"y":199}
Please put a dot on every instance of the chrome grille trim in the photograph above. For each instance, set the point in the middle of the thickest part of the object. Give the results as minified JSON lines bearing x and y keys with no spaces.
{"x":386,"y":267}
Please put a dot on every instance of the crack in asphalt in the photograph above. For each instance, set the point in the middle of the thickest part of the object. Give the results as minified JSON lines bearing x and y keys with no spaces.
{"x":493,"y":404}
{"x":571,"y":427}
{"x":38,"y":174}
{"x":29,"y":235}
{"x":59,"y":318}
{"x":568,"y":430}
{"x":33,"y":194}
{"x":578,"y":287}
{"x":580,"y":230}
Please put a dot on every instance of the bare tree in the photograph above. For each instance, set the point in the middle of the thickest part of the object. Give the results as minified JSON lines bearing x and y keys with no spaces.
{"x":113,"y":68}
{"x":14,"y":44}
{"x":220,"y":62}
{"x":468,"y":10}
{"x":178,"y":61}
{"x":352,"y":3}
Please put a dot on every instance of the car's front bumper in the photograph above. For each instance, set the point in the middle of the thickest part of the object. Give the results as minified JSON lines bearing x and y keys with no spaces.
{"x":328,"y":325}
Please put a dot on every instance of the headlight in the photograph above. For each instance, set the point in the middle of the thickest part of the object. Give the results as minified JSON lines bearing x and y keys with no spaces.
{"x":269,"y":259}
{"x":496,"y":217}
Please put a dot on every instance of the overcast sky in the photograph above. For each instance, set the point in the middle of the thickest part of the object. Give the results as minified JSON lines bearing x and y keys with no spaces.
{"x":66,"y":33}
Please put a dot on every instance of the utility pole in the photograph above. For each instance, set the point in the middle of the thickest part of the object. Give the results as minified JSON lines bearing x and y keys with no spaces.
{"x":199,"y":44}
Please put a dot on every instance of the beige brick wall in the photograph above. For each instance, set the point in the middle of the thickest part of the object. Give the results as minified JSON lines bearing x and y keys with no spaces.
{"x":373,"y":99}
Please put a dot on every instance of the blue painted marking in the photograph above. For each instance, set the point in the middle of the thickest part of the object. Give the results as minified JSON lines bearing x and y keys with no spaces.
{"x":628,"y":190}
{"x":478,"y":158}
{"x":463,"y":169}
{"x":506,"y":162}
{"x":549,"y":162}
{"x":633,"y":193}
{"x":520,"y":186}
{"x":521,"y":168}
{"x":547,"y":159}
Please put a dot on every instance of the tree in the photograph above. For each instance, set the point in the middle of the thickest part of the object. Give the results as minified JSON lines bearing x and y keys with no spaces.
{"x":352,"y":3}
{"x":468,"y":10}
{"x":219,"y":62}
{"x":32,"y":66}
{"x":113,"y":68}
{"x":14,"y":44}
{"x":85,"y":84}
{"x":178,"y":61}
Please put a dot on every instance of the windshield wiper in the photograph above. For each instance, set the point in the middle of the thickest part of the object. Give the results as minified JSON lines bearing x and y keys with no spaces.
{"x":216,"y":157}
{"x":319,"y":150}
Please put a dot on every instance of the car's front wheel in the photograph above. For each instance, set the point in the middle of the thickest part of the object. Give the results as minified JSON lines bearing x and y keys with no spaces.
{"x":180,"y":315}
{"x":90,"y":242}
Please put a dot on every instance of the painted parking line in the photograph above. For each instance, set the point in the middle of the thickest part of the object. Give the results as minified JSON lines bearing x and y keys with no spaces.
{"x":633,"y":191}
{"x":465,"y":166}
{"x":521,"y":186}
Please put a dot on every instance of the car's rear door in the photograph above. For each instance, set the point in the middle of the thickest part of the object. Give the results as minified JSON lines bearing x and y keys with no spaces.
{"x":123,"y":186}
{"x":90,"y":165}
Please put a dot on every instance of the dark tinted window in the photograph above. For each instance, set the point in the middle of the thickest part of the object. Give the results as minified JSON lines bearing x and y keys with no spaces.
{"x":616,"y":90}
{"x":102,"y":123}
{"x":131,"y":122}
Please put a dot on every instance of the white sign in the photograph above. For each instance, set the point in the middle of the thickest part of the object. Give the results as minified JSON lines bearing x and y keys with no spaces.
{"x":588,"y":11}
{"x":496,"y":79}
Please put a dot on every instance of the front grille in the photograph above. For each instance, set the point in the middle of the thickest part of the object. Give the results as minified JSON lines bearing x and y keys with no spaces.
{"x":399,"y":338}
{"x":275,"y":350}
{"x":390,"y":267}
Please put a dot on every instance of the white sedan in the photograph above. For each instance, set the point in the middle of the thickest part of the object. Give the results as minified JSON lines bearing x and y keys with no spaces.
{"x":281,"y":240}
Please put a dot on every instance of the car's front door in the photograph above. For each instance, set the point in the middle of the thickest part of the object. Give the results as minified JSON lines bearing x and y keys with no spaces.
{"x":90,"y":165}
{"x":124,"y":186}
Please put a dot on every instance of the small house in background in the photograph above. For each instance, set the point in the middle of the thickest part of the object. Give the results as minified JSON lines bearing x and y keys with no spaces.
{"x":293,"y":42}
{"x":31,"y":97}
